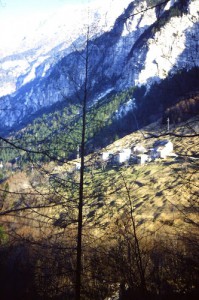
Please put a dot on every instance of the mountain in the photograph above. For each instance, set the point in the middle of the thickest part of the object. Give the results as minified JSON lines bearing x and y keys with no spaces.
{"x":133,"y":64}
{"x":131,"y":44}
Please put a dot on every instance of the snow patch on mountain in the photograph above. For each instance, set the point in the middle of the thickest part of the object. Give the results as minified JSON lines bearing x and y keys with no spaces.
{"x":38,"y":38}
{"x":125,"y":108}
{"x":167,"y":45}
{"x":140,"y":47}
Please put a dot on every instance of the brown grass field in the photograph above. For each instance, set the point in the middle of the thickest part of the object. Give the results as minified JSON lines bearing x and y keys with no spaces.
{"x":162,"y":194}
{"x":157,"y":203}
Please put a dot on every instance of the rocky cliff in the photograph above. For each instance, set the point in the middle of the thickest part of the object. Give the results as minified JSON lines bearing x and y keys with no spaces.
{"x":139,"y":43}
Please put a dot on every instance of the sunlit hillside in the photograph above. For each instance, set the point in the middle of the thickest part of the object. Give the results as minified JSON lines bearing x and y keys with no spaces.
{"x":154,"y":187}
{"x":156,"y":202}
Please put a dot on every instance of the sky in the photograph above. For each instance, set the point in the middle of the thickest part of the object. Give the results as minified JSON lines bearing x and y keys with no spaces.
{"x":19,"y":17}
{"x":10,"y":8}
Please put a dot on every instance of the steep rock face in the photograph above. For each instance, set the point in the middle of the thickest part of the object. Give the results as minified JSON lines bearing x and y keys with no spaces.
{"x":166,"y":44}
{"x":143,"y":46}
{"x":37,"y":42}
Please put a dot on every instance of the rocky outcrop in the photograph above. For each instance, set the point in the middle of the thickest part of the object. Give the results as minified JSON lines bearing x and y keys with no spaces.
{"x":142,"y":47}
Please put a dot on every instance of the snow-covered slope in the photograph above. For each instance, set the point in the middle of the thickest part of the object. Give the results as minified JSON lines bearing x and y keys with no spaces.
{"x":42,"y":38}
{"x":129,"y":45}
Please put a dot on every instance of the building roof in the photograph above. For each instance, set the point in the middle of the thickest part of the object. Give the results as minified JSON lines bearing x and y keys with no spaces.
{"x":161,"y":143}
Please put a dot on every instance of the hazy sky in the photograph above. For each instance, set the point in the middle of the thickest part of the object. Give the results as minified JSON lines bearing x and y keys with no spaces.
{"x":19,"y":17}
{"x":8,"y":8}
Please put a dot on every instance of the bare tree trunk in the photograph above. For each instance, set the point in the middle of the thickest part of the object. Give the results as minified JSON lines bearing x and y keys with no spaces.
{"x":81,"y":186}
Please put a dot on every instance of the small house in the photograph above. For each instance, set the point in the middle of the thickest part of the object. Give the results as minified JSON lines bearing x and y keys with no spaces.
{"x":77,"y":166}
{"x":139,"y":149}
{"x":105,"y":156}
{"x":124,"y":155}
{"x":163,"y":148}
{"x":142,"y":159}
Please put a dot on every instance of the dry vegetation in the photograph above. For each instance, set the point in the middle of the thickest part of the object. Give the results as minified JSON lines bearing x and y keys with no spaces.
{"x":161,"y":197}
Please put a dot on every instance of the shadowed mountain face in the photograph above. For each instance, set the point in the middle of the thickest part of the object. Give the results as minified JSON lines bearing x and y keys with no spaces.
{"x":141,"y":47}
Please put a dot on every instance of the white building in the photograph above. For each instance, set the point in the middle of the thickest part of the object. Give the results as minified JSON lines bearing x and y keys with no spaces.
{"x":77,"y":166}
{"x":142,"y":159}
{"x":163,"y":147}
{"x":139,"y":149}
{"x":124,"y":155}
{"x":105,"y":156}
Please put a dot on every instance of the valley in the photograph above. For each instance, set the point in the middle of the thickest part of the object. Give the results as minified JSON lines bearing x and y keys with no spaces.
{"x":99,"y":152}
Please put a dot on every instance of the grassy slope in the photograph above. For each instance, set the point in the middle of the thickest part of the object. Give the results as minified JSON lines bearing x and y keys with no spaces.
{"x":163,"y":194}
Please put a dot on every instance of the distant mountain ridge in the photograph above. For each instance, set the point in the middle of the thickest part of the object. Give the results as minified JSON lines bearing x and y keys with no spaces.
{"x":143,"y":47}
{"x":41,"y":41}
